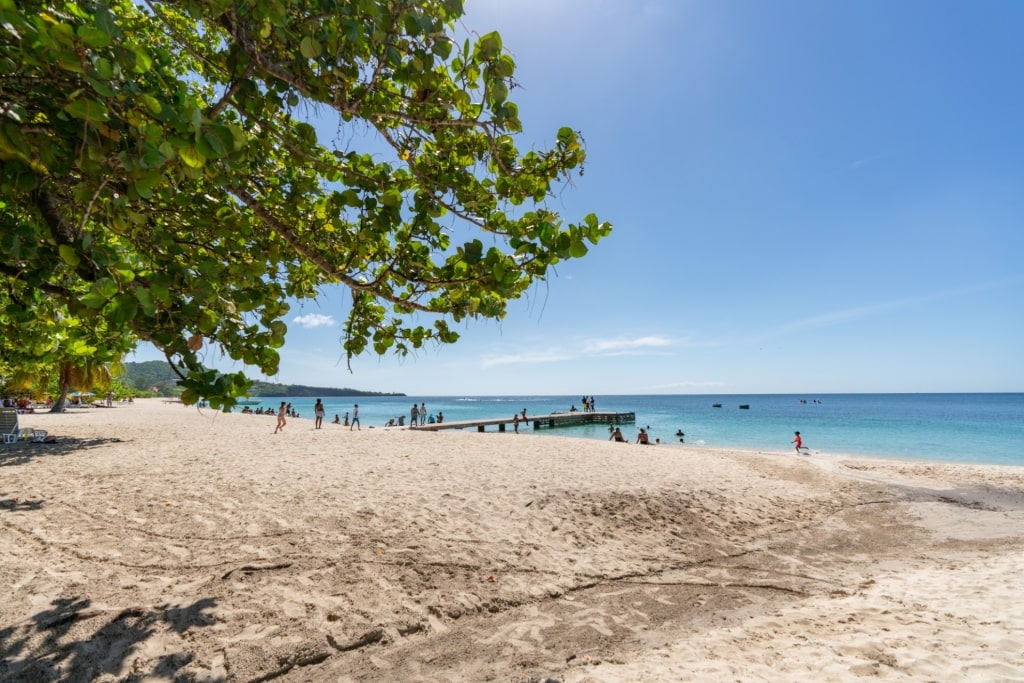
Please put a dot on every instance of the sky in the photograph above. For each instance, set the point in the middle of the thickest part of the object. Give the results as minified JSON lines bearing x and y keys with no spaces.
{"x":807,"y":197}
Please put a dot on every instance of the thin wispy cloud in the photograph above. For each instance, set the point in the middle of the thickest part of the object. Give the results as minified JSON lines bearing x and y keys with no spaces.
{"x":589,"y":349}
{"x":688,"y":385}
{"x":313,"y":320}
{"x":861,"y":163}
{"x":617,"y":347}
{"x":872,"y":310}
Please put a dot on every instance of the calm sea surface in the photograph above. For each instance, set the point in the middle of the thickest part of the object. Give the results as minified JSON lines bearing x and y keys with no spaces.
{"x":972,"y":428}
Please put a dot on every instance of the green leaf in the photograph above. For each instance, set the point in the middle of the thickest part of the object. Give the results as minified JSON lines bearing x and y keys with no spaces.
{"x":310,"y":47}
{"x":94,"y":300}
{"x":12,"y":144}
{"x":152,"y":103}
{"x":489,"y":46}
{"x":192,"y":157}
{"x":87,"y":109}
{"x":143,"y":62}
{"x":207,"y":322}
{"x":68,"y":255}
{"x":145,"y":183}
{"x":146,"y":301}
{"x":92,"y":36}
{"x":391,"y":198}
{"x":473,"y":251}
{"x":122,"y":309}
{"x":106,"y":287}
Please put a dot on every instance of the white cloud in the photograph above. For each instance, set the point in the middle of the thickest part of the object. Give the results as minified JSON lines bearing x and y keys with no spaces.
{"x":618,"y":347}
{"x":589,"y":349}
{"x":529,"y":358}
{"x":313,"y":320}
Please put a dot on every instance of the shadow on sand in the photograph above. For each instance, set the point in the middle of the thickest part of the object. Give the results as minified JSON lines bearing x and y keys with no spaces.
{"x":22,"y":452}
{"x":65,"y":643}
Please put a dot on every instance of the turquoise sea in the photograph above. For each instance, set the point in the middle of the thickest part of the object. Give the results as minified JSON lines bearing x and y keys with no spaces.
{"x":973,"y":428}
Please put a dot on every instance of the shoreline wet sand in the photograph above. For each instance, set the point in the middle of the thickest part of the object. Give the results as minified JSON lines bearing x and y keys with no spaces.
{"x":160,"y":542}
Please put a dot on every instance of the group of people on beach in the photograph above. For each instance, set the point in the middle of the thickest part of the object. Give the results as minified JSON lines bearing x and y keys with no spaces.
{"x":418,"y":415}
{"x":643,"y":437}
{"x":247,"y":410}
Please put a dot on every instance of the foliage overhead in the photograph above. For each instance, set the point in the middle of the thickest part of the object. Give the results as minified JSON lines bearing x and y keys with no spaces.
{"x":162,"y":179}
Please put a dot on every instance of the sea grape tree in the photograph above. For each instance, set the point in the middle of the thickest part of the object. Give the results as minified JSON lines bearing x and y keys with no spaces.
{"x":175,"y":172}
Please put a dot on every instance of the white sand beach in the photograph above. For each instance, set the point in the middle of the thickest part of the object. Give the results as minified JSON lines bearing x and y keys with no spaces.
{"x":157,"y":542}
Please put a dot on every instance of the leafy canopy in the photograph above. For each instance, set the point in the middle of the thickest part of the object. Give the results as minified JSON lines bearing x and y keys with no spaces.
{"x":161,"y":180}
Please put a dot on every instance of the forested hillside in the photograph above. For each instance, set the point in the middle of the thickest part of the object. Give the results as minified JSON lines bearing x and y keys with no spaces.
{"x":144,"y":377}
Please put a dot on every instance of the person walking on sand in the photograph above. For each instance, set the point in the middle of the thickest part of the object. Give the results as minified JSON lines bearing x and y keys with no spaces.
{"x":515,"y":422}
{"x":414,"y":415}
{"x":798,"y":441}
{"x":280,"y":418}
{"x":355,"y":418}
{"x":318,"y":411}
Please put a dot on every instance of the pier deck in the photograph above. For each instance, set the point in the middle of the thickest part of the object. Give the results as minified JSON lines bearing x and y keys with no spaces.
{"x":566,"y":419}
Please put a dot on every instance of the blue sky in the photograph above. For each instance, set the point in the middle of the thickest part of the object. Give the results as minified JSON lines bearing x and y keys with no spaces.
{"x":807,"y":197}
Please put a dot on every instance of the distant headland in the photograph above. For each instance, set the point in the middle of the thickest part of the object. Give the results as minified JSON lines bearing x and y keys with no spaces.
{"x":300,"y":390}
{"x":158,"y":375}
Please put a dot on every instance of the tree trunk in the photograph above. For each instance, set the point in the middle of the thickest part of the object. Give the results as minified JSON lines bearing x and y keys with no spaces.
{"x":64,"y":382}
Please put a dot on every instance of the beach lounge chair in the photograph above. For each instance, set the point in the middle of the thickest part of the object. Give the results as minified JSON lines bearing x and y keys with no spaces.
{"x":9,"y":428}
{"x":12,"y":431}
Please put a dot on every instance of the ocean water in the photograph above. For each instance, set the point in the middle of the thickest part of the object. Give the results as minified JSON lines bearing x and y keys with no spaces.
{"x":972,"y":428}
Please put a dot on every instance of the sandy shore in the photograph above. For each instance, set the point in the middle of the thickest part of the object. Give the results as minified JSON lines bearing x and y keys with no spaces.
{"x":156,"y":542}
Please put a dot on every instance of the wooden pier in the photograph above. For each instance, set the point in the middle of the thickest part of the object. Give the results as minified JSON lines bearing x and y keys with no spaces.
{"x":566,"y":419}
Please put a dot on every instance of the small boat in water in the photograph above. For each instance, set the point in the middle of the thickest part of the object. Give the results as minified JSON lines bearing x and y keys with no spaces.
{"x":744,"y":406}
{"x":249,"y":402}
{"x":716,"y":405}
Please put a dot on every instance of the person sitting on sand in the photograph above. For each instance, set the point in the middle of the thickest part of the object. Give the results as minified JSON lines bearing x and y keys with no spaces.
{"x":337,"y":419}
{"x":642,"y":438}
{"x":617,"y":436}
